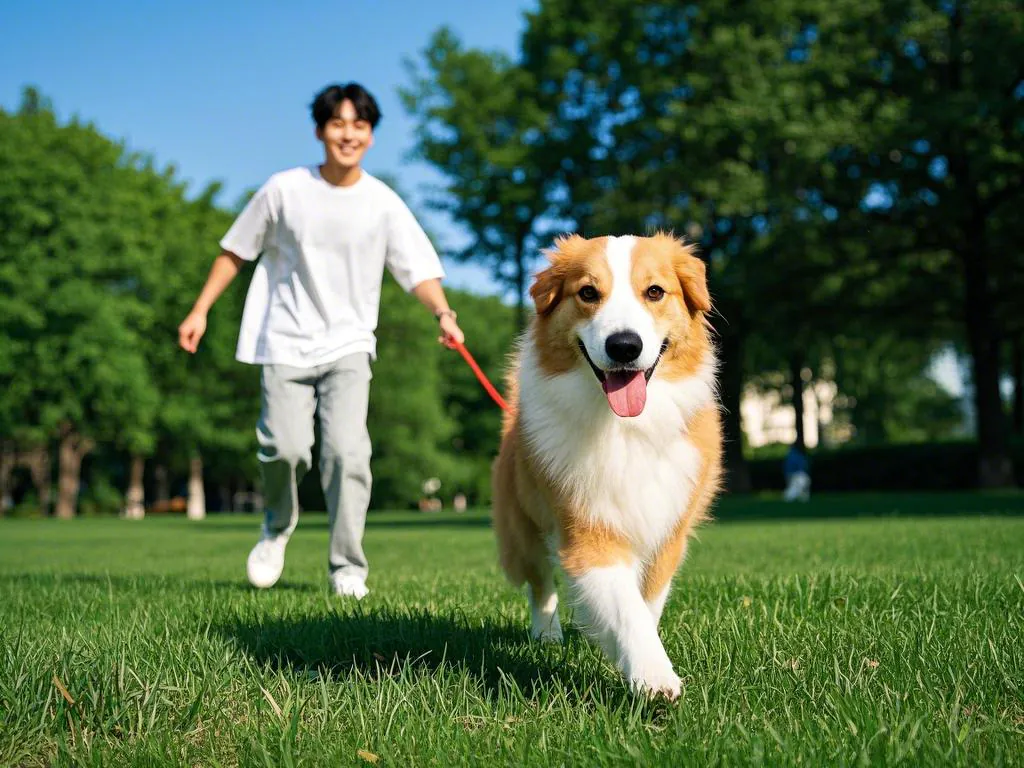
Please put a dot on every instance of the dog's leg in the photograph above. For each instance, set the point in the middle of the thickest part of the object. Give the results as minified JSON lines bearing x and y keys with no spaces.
{"x":657,"y":579}
{"x":522,"y":546}
{"x":616,"y":615}
{"x":543,"y":596}
{"x":656,"y":605}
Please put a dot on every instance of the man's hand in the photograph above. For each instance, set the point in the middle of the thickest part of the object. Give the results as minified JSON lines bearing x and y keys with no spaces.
{"x":191,"y":331}
{"x":450,"y":330}
{"x":223,"y":271}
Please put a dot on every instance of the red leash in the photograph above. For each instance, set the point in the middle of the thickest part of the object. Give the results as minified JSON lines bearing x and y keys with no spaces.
{"x":452,"y":344}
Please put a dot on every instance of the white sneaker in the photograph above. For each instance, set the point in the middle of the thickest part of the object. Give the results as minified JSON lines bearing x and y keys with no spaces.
{"x":266,"y":561}
{"x":349,"y":585}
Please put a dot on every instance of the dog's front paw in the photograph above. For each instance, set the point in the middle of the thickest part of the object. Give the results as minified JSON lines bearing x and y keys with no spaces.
{"x":547,"y":633}
{"x":656,"y":681}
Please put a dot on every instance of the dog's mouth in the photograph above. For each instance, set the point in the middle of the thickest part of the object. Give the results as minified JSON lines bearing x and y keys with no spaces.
{"x":625,"y":388}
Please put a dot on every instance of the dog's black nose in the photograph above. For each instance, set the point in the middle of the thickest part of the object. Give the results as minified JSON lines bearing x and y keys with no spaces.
{"x":624,"y":346}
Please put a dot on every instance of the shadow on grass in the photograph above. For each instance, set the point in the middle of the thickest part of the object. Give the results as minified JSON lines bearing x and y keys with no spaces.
{"x":383,"y":642}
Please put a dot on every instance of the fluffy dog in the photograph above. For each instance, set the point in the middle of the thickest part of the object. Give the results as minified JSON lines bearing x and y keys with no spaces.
{"x":611,"y":450}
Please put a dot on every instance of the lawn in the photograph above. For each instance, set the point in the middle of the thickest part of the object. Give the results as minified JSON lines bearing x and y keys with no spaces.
{"x":889,"y":635}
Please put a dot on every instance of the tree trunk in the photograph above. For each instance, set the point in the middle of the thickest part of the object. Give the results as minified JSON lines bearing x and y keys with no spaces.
{"x":796,"y":368}
{"x":38,"y":462}
{"x":8,"y":459}
{"x":196,"y":495}
{"x":73,"y":449}
{"x":163,"y":485}
{"x":737,"y":473}
{"x":135,"y":498}
{"x":994,"y":467}
{"x":1017,"y":368}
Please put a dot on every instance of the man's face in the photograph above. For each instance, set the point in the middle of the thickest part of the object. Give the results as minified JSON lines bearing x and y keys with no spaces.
{"x":346,"y":136}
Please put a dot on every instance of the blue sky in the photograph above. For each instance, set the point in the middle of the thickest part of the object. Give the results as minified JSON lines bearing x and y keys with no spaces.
{"x":221,"y":89}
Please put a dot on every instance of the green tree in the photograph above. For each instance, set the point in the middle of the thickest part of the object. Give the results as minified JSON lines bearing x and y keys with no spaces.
{"x":708,"y":120}
{"x":211,"y":402}
{"x":479,"y":124}
{"x":948,"y":160}
{"x":70,"y":252}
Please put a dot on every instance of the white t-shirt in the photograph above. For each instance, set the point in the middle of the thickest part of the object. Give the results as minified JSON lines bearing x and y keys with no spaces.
{"x":315,"y":293}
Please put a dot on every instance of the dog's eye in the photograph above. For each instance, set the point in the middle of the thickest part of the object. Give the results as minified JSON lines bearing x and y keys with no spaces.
{"x":655,"y":293}
{"x":589,"y":294}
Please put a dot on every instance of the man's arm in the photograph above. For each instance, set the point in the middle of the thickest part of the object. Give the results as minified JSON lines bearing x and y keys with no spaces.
{"x":225,"y":268}
{"x":431,"y":295}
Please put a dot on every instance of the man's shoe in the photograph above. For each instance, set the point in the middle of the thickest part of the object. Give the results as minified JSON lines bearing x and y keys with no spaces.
{"x":349,"y":585}
{"x":266,"y":561}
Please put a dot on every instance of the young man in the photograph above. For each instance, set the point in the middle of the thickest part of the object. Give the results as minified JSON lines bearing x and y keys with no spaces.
{"x":326,"y":233}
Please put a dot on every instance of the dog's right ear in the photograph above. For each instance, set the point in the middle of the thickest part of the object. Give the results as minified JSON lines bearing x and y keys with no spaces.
{"x":546,"y":290}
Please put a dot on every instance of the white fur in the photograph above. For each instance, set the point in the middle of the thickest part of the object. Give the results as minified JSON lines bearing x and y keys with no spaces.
{"x":634,"y":476}
{"x":621,"y":311}
{"x":614,"y":613}
{"x":656,"y":605}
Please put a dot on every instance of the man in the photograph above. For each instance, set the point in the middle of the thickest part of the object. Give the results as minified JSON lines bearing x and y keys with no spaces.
{"x":326,"y":233}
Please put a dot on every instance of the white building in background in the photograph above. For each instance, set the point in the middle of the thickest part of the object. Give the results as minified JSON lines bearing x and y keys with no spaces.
{"x":768,"y":417}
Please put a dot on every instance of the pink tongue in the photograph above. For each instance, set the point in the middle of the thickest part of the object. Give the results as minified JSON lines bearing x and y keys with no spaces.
{"x":626,"y":392}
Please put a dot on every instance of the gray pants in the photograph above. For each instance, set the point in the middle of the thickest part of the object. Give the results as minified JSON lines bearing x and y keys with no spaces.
{"x":339,"y":394}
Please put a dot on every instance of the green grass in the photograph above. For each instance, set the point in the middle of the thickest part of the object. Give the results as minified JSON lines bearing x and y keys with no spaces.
{"x":871,"y":639}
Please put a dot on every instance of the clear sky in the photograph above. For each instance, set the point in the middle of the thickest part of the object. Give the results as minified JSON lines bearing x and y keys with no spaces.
{"x":221,"y":89}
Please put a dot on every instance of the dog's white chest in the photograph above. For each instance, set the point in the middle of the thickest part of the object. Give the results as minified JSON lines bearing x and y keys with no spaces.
{"x":638,"y":488}
{"x":633,"y":476}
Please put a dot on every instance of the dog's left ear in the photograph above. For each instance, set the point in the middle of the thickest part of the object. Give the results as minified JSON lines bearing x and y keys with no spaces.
{"x":693,"y":278}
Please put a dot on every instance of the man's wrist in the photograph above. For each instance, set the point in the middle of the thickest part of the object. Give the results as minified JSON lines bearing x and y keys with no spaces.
{"x":439,"y":313}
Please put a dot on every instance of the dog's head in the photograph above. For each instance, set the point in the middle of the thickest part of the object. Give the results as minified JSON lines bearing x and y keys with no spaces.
{"x":629,"y":308}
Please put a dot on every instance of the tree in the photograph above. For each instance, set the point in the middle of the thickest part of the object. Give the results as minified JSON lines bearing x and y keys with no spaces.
{"x":211,"y":402}
{"x":69,"y":254}
{"x":708,"y":120}
{"x":480,"y":126}
{"x":948,"y":161}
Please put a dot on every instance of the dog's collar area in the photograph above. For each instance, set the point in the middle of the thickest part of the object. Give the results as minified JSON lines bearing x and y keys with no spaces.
{"x":602,"y":374}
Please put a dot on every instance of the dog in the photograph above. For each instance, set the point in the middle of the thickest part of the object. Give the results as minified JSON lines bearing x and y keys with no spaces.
{"x":611,"y":450}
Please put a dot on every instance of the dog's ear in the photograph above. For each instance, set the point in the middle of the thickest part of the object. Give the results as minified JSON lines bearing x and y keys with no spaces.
{"x":693,"y":278}
{"x":546,"y":290}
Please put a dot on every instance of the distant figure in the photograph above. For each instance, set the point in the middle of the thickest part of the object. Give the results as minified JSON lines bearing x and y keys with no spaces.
{"x":797,"y":472}
{"x":459,"y":502}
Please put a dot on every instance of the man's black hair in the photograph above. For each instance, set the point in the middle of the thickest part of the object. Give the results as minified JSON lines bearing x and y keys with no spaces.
{"x":325,"y":105}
